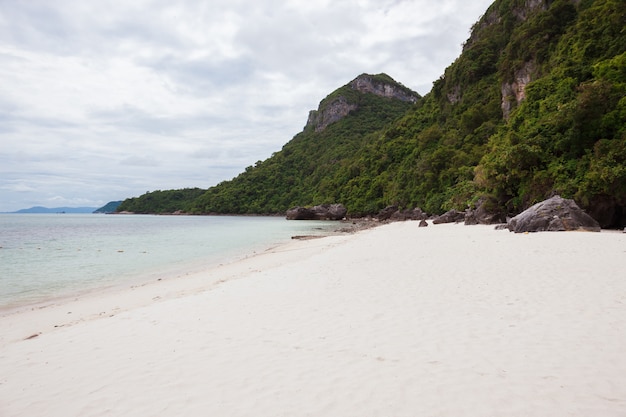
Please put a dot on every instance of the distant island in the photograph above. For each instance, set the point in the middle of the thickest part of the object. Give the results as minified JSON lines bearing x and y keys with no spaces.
{"x":72,"y":210}
{"x":110,"y":207}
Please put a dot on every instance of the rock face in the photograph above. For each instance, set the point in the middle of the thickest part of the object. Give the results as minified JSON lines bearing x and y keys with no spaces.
{"x":321,"y":212}
{"x":332,"y":112}
{"x":515,"y":91}
{"x":553,"y":214}
{"x":366,"y":83}
{"x":335,"y":109}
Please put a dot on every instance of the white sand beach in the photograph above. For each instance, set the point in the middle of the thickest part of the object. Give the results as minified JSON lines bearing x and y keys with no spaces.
{"x":447,"y":320}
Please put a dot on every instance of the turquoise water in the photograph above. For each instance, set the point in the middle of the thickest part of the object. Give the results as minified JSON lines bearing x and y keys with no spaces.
{"x":49,"y":255}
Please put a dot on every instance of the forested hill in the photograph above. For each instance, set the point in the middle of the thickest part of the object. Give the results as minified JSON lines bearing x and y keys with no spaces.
{"x":334,"y":133}
{"x":535,"y":105}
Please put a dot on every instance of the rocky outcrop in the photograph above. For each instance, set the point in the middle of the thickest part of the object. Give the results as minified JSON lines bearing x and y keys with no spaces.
{"x":366,"y":83}
{"x":486,"y":211}
{"x":451,"y":216}
{"x":336,"y":107}
{"x":394,"y":214}
{"x":454,"y":96}
{"x":514,"y":92}
{"x":386,"y":213}
{"x":409,"y":214}
{"x":553,"y":214}
{"x":330,"y":113}
{"x":529,"y":7}
{"x":321,"y":212}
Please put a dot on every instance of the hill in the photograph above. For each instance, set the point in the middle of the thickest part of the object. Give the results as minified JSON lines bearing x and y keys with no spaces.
{"x":342,"y":124}
{"x":109,"y":207}
{"x":41,"y":210}
{"x":535,"y":105}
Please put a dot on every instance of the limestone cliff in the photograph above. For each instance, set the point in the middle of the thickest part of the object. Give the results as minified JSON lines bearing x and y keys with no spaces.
{"x":514,"y":92}
{"x":384,"y":86}
{"x":343,"y":101}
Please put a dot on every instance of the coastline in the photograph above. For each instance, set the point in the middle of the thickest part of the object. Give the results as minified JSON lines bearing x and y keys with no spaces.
{"x":395,"y":320}
{"x":46,"y":257}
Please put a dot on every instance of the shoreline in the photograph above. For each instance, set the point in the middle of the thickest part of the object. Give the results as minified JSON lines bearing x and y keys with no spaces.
{"x":396,"y":320}
{"x":100,"y":302}
{"x":130,"y":274}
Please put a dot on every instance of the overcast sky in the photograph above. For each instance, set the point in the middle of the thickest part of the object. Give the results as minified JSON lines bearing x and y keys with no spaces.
{"x":104,"y":100}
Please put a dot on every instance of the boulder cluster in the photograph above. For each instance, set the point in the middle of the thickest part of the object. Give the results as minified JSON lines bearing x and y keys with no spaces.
{"x":321,"y":212}
{"x":553,"y":214}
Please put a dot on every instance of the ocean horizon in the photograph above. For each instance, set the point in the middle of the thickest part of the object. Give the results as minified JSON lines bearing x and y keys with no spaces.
{"x":44,"y":256}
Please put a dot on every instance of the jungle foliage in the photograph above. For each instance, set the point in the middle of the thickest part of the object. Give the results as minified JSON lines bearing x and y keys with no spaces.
{"x":566,"y":135}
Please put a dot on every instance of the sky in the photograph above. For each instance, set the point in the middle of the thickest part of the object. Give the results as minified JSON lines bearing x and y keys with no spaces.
{"x":104,"y":100}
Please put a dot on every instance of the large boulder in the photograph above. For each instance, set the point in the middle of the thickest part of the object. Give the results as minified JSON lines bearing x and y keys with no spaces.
{"x":300,"y":213}
{"x":321,"y":212}
{"x":330,"y":211}
{"x":553,"y":214}
{"x":386,"y":213}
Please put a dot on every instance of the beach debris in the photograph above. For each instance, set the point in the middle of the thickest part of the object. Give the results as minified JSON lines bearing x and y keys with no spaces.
{"x":306,"y":237}
{"x":32,"y":336}
{"x":553,"y":214}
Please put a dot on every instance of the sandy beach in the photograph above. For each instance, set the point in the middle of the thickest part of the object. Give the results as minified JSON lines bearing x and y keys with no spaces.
{"x":447,"y":320}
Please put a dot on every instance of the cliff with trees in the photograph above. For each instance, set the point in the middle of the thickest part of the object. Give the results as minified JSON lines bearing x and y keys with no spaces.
{"x":534,"y":106}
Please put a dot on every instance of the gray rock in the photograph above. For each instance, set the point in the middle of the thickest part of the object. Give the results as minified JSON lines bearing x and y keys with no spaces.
{"x":451,"y":216}
{"x":394,"y":214}
{"x":387,"y":212}
{"x":423,"y":223}
{"x":418,"y":214}
{"x":330,"y":211}
{"x":300,"y":213}
{"x":486,"y":212}
{"x":553,"y":214}
{"x":321,"y":212}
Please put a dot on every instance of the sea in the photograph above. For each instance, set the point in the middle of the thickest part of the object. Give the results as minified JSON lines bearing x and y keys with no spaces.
{"x":44,"y":256}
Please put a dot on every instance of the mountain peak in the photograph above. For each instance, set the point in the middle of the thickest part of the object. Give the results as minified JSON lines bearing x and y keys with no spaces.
{"x":342,"y":101}
{"x":384,"y":86}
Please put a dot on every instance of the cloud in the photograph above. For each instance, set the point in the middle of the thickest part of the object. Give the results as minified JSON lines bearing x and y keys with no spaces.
{"x":106,"y":100}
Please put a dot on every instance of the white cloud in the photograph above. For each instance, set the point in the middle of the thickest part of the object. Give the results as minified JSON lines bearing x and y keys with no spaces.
{"x":106,"y":100}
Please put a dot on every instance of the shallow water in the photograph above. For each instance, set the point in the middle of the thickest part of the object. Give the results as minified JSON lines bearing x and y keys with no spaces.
{"x":49,"y":255}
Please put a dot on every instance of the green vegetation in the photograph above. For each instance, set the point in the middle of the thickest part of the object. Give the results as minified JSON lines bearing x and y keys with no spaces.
{"x":161,"y":202}
{"x":109,"y":207}
{"x":303,"y":172}
{"x":560,"y":127}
